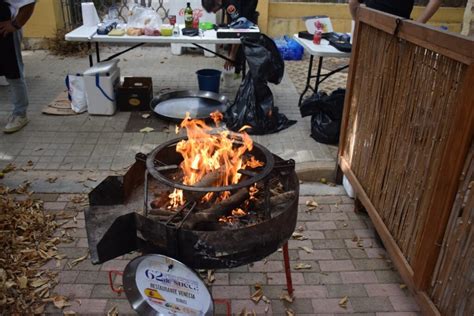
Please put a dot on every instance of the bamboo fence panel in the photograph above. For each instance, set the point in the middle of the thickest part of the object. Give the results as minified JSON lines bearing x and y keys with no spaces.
{"x":452,"y":287}
{"x":396,"y":139}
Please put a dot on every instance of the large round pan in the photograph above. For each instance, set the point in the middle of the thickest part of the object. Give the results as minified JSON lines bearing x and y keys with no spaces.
{"x":172,"y":106}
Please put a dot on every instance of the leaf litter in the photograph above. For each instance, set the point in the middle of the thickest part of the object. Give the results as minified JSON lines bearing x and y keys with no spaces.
{"x":27,"y":241}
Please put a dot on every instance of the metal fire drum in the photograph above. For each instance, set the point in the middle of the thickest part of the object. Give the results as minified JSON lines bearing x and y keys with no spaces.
{"x":173,"y":106}
{"x":159,"y":285}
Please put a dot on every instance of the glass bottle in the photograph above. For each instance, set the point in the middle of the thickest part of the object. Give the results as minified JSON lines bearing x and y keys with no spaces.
{"x":188,"y":16}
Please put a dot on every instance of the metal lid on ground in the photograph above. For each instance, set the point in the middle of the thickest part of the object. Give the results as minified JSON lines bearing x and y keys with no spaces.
{"x":160,"y":285}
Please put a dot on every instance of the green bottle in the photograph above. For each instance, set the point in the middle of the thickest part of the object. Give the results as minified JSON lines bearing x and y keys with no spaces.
{"x":188,"y":16}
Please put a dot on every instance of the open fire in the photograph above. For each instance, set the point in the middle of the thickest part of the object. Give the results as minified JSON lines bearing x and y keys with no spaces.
{"x":213,"y":157}
{"x":197,"y":199}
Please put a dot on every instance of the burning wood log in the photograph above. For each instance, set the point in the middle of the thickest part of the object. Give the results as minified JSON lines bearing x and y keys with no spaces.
{"x":160,"y":201}
{"x":207,"y":181}
{"x":213,"y":213}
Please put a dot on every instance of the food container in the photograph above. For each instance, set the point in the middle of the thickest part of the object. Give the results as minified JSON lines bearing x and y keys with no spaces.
{"x":166,"y":30}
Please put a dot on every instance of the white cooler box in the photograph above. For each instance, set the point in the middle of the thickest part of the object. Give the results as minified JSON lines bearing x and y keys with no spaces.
{"x":100,"y":82}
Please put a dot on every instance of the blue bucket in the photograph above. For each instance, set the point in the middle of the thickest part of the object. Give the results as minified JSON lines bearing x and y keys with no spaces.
{"x":209,"y":79}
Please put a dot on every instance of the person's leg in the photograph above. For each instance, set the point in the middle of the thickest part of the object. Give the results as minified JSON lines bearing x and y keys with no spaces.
{"x":19,"y":93}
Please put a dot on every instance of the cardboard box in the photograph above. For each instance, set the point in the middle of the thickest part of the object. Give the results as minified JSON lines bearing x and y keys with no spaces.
{"x":135,"y":94}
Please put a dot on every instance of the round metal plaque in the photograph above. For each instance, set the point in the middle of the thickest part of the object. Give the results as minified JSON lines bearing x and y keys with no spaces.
{"x":159,"y":285}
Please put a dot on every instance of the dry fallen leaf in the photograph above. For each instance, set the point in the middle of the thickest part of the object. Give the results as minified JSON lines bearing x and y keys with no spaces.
{"x":69,"y":313}
{"x":403,"y":286}
{"x":76,"y":261}
{"x":60,"y":302}
{"x":307,"y":249}
{"x":147,"y":130}
{"x":343,"y":302}
{"x":311,"y":204}
{"x":286,"y":297}
{"x":244,"y":312}
{"x":300,"y":228}
{"x":302,"y":266}
{"x":52,"y":179}
{"x":39,"y":310}
{"x":210,"y":276}
{"x":113,"y":311}
{"x":298,"y":236}
{"x":23,"y":282}
{"x":289,"y":312}
{"x":145,"y":116}
{"x":258,"y":294}
{"x":92,"y":179}
{"x":38,"y":282}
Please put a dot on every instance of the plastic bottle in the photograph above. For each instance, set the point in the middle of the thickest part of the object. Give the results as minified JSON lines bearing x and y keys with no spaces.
{"x":318,"y":33}
{"x":176,"y":31}
{"x":188,"y":16}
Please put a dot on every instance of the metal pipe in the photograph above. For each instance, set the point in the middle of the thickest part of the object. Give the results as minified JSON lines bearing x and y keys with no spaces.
{"x":286,"y":259}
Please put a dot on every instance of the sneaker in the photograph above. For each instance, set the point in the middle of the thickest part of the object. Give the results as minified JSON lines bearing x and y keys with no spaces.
{"x":3,"y":82}
{"x":15,"y":123}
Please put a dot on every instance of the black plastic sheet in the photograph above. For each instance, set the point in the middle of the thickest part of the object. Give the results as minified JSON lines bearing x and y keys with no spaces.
{"x":254,"y":105}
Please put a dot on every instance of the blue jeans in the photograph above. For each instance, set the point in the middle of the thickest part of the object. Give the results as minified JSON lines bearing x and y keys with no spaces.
{"x":19,"y":92}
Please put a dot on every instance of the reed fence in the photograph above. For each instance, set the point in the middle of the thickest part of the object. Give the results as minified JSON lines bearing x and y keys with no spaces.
{"x":407,"y":129}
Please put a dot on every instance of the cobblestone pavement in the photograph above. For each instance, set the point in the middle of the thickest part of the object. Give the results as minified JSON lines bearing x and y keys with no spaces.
{"x":347,"y":260}
{"x":101,"y":143}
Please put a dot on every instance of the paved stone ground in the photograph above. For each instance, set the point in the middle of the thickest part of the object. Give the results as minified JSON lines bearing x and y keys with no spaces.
{"x":339,"y":267}
{"x":100,"y":143}
{"x":82,"y":150}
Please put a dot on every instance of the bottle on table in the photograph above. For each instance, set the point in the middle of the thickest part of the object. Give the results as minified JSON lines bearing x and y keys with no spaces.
{"x":188,"y":16}
{"x":318,"y":33}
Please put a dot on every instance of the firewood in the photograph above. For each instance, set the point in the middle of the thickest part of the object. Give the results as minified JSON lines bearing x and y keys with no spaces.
{"x":278,"y":199}
{"x":207,"y":181}
{"x":213,"y":213}
{"x":160,"y":200}
{"x":161,"y":212}
{"x":234,"y":201}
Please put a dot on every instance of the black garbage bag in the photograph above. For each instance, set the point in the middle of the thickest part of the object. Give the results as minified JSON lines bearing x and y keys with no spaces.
{"x":327,"y":116}
{"x":309,"y":105}
{"x":254,"y":105}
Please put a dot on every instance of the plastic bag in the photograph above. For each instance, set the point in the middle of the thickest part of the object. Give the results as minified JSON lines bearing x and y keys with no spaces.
{"x":144,"y":20}
{"x":253,"y":105}
{"x":289,"y":48}
{"x":76,"y":93}
{"x":327,"y":116}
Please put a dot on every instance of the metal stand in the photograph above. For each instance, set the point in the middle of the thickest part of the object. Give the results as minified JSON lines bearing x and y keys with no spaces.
{"x":319,"y":77}
{"x":97,"y":54}
{"x":289,"y":282}
{"x":286,"y":260}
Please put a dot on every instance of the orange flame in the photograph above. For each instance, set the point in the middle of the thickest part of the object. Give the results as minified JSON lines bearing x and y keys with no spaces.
{"x":206,"y":150}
